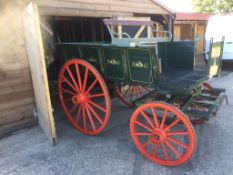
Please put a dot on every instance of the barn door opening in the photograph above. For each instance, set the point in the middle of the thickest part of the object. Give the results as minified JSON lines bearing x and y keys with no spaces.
{"x":38,"y":71}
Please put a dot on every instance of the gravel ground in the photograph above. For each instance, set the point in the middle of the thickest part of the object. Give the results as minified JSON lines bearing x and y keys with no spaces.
{"x":28,"y":151}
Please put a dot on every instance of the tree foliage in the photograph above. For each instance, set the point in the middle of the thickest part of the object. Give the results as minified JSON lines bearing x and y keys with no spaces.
{"x":213,"y":6}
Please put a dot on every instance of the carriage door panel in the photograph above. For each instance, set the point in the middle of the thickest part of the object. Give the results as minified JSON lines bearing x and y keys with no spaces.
{"x":38,"y":71}
{"x":140,"y":62}
{"x":114,"y":63}
{"x":91,"y":55}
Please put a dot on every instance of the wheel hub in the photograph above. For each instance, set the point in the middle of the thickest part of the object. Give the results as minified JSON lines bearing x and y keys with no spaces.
{"x":80,"y":98}
{"x":158,"y":136}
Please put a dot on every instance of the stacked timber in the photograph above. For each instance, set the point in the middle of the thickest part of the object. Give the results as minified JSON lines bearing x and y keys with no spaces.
{"x":16,"y":90}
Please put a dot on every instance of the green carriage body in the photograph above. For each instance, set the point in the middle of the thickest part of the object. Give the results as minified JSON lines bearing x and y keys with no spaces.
{"x":134,"y":65}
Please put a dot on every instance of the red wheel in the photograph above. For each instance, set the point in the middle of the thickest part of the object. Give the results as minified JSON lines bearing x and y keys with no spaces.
{"x":207,"y":86}
{"x":128,"y":93}
{"x":162,"y":133}
{"x":84,"y":96}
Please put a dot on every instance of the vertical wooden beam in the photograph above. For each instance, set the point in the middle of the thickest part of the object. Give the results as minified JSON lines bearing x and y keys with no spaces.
{"x":82,"y":31}
{"x":195,"y":29}
{"x":93,"y":30}
{"x":119,"y":28}
{"x":101,"y":30}
{"x":171,"y":25}
{"x":148,"y":31}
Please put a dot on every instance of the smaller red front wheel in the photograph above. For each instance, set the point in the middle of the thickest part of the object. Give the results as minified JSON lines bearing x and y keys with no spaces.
{"x":128,"y":93}
{"x":162,"y":133}
{"x":84,"y":96}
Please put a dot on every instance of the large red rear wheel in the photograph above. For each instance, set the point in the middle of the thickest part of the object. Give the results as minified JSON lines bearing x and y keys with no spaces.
{"x":128,"y":93}
{"x":84,"y":96}
{"x":162,"y":133}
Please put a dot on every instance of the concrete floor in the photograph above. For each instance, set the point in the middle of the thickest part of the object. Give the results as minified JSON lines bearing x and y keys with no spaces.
{"x":113,"y":152}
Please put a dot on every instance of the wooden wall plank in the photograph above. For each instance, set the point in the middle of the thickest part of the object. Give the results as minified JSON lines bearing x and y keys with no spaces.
{"x":124,"y":6}
{"x":16,"y":88}
{"x":17,"y":125}
{"x":81,"y":13}
{"x":16,"y":99}
{"x":18,"y":77}
{"x":16,"y":114}
{"x":98,"y":7}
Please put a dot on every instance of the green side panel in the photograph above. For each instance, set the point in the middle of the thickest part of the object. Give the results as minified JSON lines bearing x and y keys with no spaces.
{"x":215,"y":59}
{"x":91,"y":55}
{"x":140,"y":65}
{"x":180,"y":54}
{"x":114,"y":63}
{"x":70,"y":51}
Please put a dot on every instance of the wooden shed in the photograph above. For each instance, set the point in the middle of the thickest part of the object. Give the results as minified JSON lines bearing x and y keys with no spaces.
{"x":191,"y":26}
{"x":25,"y":94}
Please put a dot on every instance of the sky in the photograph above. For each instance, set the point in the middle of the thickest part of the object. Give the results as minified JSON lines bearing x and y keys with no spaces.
{"x":178,"y":5}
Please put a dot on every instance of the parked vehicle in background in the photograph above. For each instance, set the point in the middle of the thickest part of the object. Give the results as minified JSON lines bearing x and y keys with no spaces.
{"x":219,"y":26}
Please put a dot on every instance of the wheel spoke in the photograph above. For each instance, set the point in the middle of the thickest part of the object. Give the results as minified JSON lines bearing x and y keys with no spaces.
{"x":85,"y":80}
{"x":173,"y":149}
{"x":155,"y":117}
{"x":177,"y":133}
{"x":95,"y":114}
{"x":145,"y":144}
{"x":177,"y":142}
{"x":90,"y":87}
{"x":142,"y":133}
{"x":90,"y":118}
{"x":172,"y":124}
{"x":163,"y":119}
{"x":68,"y":100}
{"x":126,"y":91}
{"x":140,"y":91}
{"x":136,"y":92}
{"x":70,"y":84}
{"x":155,"y":150}
{"x":142,"y":125}
{"x":79,"y":77}
{"x":148,"y":90}
{"x":68,"y":91}
{"x":78,"y":114}
{"x":165,"y":151}
{"x":147,"y":119}
{"x":96,"y":105}
{"x":84,"y":119}
{"x":96,"y":95}
{"x":73,"y":108}
{"x":131,"y":96}
{"x":72,"y":78}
